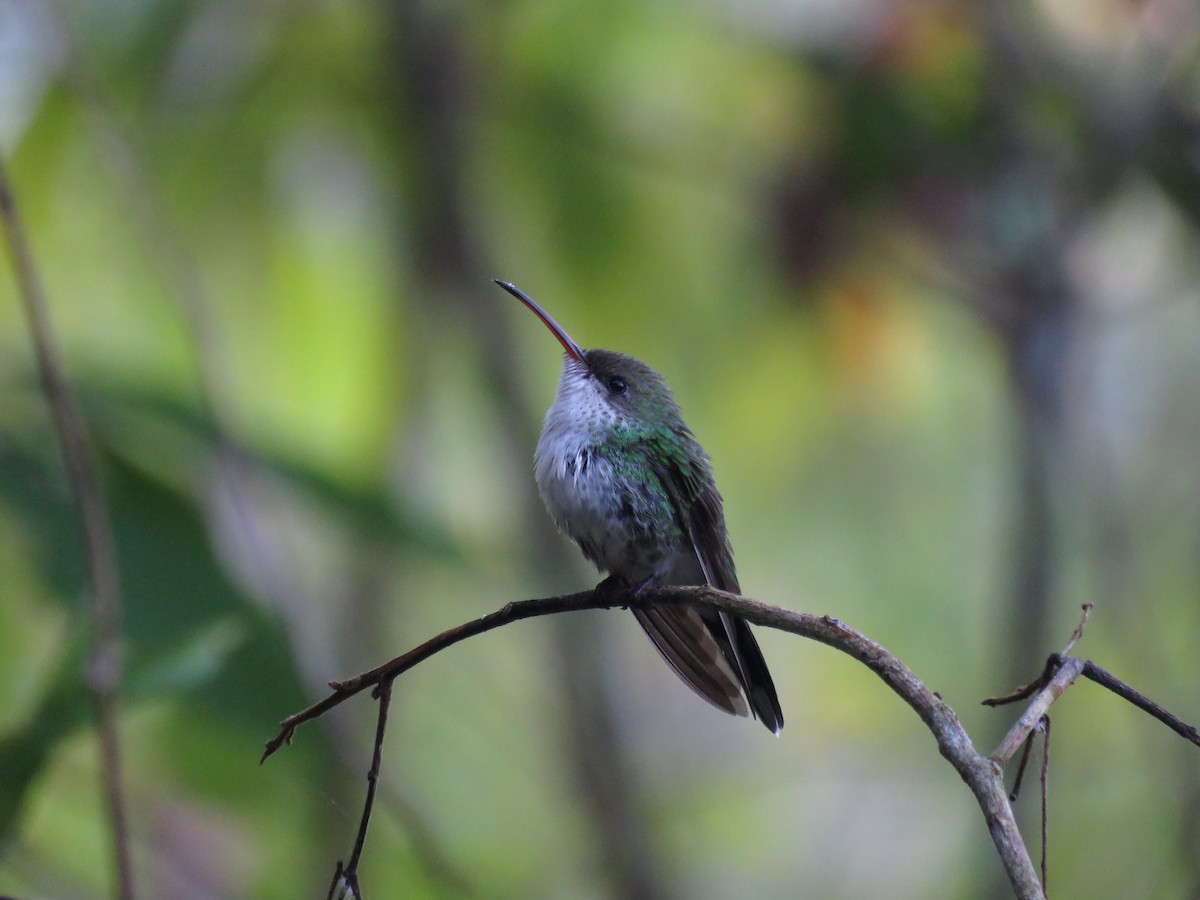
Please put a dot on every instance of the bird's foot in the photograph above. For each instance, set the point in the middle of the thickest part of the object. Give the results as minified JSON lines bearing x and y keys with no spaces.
{"x":615,"y":590}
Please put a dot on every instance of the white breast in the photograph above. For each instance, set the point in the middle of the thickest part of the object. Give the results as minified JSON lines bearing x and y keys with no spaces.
{"x":577,"y":484}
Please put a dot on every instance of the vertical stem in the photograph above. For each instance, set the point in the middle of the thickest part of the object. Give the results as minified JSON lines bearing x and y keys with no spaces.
{"x":346,"y":876}
{"x":1045,"y":774}
{"x":104,"y":664}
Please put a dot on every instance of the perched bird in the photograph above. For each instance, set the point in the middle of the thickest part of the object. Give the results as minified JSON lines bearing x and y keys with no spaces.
{"x":623,"y":477}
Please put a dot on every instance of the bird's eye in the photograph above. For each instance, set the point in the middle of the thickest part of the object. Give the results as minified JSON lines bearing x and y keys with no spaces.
{"x":617,"y":384}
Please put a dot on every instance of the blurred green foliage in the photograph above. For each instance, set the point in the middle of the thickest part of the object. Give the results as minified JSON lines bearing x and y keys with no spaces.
{"x":922,"y":275}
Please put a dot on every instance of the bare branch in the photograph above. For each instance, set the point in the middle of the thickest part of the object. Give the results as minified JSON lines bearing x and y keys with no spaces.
{"x":1070,"y":669}
{"x":1106,"y":679}
{"x":1077,"y":634}
{"x":104,"y":665}
{"x":344,"y":690}
{"x":982,"y":775}
{"x":1045,"y":777}
{"x":1059,"y":672}
{"x":1025,"y":691}
{"x":1015,"y":794}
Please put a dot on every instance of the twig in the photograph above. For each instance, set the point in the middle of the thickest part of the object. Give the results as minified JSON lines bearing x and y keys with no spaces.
{"x":1043,"y":725}
{"x":1045,"y":808}
{"x":349,"y":873}
{"x":104,"y":665}
{"x":1106,"y":679}
{"x":1015,"y":794}
{"x":1059,"y":672}
{"x":1078,"y":632}
{"x":1070,"y":669}
{"x":344,"y":690}
{"x":983,"y":776}
{"x":339,"y":881}
{"x":1025,"y":691}
{"x":443,"y":875}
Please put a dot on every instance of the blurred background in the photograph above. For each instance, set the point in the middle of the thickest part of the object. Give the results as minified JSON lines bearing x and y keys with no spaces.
{"x":923,"y":275}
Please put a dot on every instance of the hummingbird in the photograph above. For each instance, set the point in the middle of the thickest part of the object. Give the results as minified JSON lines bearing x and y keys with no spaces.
{"x":624,"y":478}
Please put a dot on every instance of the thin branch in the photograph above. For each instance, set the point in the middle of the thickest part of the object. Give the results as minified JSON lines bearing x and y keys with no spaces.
{"x":1106,"y":679}
{"x":1070,"y":669}
{"x":1025,"y":691}
{"x":1044,"y":727}
{"x":1045,"y":798}
{"x":443,"y":875}
{"x":344,"y":690}
{"x":982,"y":775}
{"x":1015,"y":793}
{"x":1077,"y":634}
{"x":104,"y":665}
{"x":1059,"y":672}
{"x":350,"y":873}
{"x":339,"y":881}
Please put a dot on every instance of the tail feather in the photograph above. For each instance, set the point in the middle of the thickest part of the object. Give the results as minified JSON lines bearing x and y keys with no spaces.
{"x":718,"y":658}
{"x":755,"y":676}
{"x":687,"y":642}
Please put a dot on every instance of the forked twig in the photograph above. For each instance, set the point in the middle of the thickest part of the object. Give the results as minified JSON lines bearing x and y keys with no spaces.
{"x":1070,"y":669}
{"x":1059,"y":672}
{"x":1025,"y":691}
